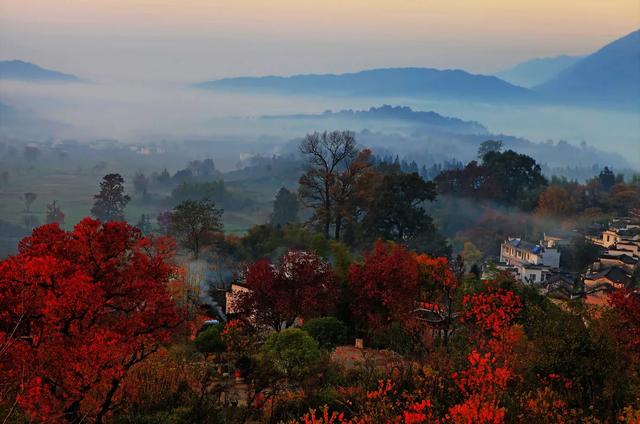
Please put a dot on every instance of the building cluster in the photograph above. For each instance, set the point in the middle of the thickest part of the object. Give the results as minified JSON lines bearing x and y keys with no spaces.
{"x":538,"y":263}
{"x":619,"y":263}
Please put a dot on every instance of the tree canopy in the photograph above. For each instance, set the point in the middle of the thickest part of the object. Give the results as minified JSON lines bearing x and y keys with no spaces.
{"x":110,"y":202}
{"x":79,"y":310}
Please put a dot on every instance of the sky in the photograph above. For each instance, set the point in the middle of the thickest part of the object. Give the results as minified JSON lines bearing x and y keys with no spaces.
{"x":194,"y":40}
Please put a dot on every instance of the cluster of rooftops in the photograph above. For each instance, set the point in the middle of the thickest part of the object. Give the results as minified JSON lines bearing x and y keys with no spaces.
{"x":539,"y":263}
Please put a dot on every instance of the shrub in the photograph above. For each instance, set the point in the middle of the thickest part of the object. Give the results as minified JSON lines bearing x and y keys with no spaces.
{"x":329,"y":332}
{"x":290,"y":353}
{"x":210,"y":341}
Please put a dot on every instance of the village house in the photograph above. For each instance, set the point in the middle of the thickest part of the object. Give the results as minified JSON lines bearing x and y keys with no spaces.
{"x":531,"y":262}
{"x":562,"y":286}
{"x":598,"y":284}
{"x":626,"y":262}
{"x":616,"y":267}
{"x":631,"y":248}
{"x":618,"y":231}
{"x":556,"y":240}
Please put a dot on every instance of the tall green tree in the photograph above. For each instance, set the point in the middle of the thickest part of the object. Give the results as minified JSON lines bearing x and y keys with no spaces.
{"x":515,"y":175}
{"x":285,"y":208}
{"x":507,"y":177}
{"x":606,"y":178}
{"x":110,"y":202}
{"x":397,"y":212}
{"x":194,"y":223}
{"x":489,"y":146}
{"x":54,"y":213}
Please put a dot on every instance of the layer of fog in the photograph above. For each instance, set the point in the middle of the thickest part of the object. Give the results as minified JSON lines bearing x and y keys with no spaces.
{"x":142,"y":113}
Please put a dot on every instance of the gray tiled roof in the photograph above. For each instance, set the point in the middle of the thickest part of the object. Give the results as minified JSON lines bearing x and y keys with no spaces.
{"x":525,"y":245}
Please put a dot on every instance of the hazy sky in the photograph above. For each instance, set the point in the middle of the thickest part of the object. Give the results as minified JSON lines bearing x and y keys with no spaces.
{"x":190,"y":40}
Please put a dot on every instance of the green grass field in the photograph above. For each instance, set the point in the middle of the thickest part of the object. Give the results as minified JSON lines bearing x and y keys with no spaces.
{"x":74,"y":193}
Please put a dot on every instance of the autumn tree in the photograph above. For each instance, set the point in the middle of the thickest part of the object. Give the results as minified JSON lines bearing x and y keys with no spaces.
{"x":300,"y":285}
{"x":352,"y":189}
{"x":555,"y":202}
{"x":625,"y":314}
{"x":81,"y":308}
{"x":623,"y":198}
{"x":438,"y":289}
{"x":285,"y":208}
{"x":54,"y":213}
{"x":384,"y":287}
{"x":194,"y":223}
{"x":326,"y":154}
{"x":490,"y":317}
{"x":110,"y":202}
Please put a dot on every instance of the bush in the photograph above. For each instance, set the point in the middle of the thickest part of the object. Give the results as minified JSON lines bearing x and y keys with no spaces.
{"x":210,"y":341}
{"x":393,"y":337}
{"x":291,"y":353}
{"x":329,"y":332}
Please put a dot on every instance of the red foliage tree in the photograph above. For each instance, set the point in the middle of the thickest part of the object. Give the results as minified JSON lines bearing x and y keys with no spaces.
{"x":438,"y":289}
{"x":301,"y":285}
{"x":490,"y":318}
{"x":482,"y":384}
{"x":77,"y":311}
{"x":625,"y":305}
{"x":385,"y":287}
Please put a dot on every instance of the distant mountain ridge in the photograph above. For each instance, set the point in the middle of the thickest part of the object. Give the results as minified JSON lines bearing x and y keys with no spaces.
{"x":397,"y":113}
{"x":609,"y":76}
{"x":537,"y":71}
{"x":26,"y":71}
{"x":385,"y":82}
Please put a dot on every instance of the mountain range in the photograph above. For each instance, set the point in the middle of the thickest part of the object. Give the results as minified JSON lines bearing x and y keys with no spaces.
{"x":608,"y":77}
{"x":536,"y":71}
{"x":386,"y":82}
{"x":26,"y":71}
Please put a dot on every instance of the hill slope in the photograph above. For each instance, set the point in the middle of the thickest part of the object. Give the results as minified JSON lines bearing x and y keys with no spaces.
{"x":609,"y":76}
{"x":428,"y":119}
{"x":537,"y":71}
{"x":25,"y":71}
{"x":388,"y":82}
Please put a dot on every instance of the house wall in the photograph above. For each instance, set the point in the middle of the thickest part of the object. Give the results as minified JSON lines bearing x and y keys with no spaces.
{"x":532,"y":276}
{"x":232,"y":298}
{"x":551,"y":257}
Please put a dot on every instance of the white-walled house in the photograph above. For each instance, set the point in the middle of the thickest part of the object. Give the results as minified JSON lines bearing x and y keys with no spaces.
{"x":515,"y":251}
{"x":532,"y":262}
